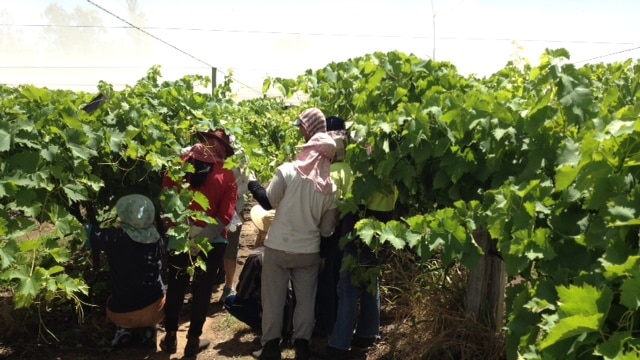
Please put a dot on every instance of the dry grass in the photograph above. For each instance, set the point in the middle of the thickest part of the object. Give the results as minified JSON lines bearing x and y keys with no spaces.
{"x":422,"y":318}
{"x":425,"y":310}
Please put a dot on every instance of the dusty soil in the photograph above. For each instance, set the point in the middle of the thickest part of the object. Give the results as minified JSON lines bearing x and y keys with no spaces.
{"x":230,"y":338}
{"x":421,"y":319}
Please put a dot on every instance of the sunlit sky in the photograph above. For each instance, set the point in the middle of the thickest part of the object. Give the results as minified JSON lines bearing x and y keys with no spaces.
{"x":281,"y":38}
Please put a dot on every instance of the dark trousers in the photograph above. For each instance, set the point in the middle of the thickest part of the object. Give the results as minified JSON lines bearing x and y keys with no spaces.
{"x":326,"y":296}
{"x":201,"y":287}
{"x":248,"y":311}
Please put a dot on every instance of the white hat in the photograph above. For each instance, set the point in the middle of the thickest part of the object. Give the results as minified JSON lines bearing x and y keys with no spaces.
{"x":262,"y":218}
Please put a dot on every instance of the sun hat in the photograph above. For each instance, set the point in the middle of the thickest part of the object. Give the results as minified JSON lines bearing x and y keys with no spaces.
{"x":219,"y":135}
{"x":262,"y":218}
{"x":137,"y":215}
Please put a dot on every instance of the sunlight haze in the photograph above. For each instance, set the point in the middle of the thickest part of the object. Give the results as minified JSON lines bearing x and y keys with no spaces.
{"x":94,"y":40}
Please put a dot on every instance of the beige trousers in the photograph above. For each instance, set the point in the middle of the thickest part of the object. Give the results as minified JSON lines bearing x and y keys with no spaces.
{"x":148,"y":316}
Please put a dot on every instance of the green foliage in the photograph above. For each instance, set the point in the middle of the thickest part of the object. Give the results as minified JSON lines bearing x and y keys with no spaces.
{"x":36,"y":267}
{"x":545,"y":158}
{"x":64,"y":166}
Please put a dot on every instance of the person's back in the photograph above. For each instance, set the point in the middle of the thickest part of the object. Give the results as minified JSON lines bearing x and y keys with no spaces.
{"x":248,"y":287}
{"x":342,"y":175}
{"x":134,"y":269}
{"x":356,"y":303}
{"x":245,"y":304}
{"x":303,"y":195}
{"x":297,"y":232}
{"x":134,"y":252}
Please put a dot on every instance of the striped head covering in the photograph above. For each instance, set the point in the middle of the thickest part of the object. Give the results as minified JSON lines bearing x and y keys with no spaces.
{"x":313,"y":121}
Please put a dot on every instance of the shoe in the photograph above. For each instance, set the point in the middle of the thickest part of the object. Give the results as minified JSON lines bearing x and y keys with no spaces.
{"x":149,"y":338}
{"x":331,"y":353}
{"x":195,"y":345}
{"x":123,"y":338}
{"x":270,"y":350}
{"x":226,"y":292}
{"x":303,"y":351}
{"x":363,"y":342}
{"x":169,"y":343}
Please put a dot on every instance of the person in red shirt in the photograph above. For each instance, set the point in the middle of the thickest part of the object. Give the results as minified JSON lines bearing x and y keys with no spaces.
{"x":219,"y":186}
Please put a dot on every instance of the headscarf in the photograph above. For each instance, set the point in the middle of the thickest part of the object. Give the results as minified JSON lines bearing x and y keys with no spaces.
{"x":137,"y":215}
{"x":313,"y":120}
{"x":211,"y":153}
{"x":219,"y":137}
{"x":314,"y":162}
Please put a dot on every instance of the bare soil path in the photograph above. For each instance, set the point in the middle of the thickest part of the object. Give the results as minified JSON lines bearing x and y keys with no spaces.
{"x":230,"y":338}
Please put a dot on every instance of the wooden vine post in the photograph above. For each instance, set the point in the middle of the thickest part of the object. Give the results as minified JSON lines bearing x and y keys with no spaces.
{"x":486,"y":284}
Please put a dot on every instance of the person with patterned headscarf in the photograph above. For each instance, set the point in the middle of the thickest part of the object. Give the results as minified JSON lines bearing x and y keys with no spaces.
{"x":219,"y":186}
{"x":135,"y":251}
{"x":304,"y":197}
{"x":311,"y":122}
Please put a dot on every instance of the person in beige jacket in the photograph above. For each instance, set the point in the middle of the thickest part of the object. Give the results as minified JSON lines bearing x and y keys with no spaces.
{"x":304,"y":197}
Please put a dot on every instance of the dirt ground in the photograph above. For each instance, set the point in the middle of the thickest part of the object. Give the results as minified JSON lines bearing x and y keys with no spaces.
{"x":230,"y":338}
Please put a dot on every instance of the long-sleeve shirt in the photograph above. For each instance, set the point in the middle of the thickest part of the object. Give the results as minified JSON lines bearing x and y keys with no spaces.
{"x":302,"y":214}
{"x":221,"y":189}
{"x":134,"y":269}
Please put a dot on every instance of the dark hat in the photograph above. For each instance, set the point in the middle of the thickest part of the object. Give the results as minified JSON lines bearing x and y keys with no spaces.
{"x":220,"y":136}
{"x":335,"y":123}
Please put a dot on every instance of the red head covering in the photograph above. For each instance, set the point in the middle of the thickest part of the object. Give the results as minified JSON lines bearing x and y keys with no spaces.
{"x":217,"y":137}
{"x":214,"y":147}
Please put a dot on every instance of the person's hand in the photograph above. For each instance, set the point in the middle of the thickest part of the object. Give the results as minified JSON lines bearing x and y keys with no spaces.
{"x":252,"y":176}
{"x":322,"y":263}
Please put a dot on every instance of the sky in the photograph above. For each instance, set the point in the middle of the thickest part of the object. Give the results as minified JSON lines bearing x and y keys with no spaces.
{"x":74,"y":44}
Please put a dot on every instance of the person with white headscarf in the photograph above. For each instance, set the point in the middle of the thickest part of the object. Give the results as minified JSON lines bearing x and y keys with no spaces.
{"x":304,"y":197}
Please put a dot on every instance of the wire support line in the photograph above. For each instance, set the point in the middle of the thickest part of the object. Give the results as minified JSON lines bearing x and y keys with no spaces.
{"x":148,"y":33}
{"x":92,"y":67}
{"x":163,"y":41}
{"x":144,"y":67}
{"x":61,"y":84}
{"x":606,"y":55}
{"x":376,"y":36}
